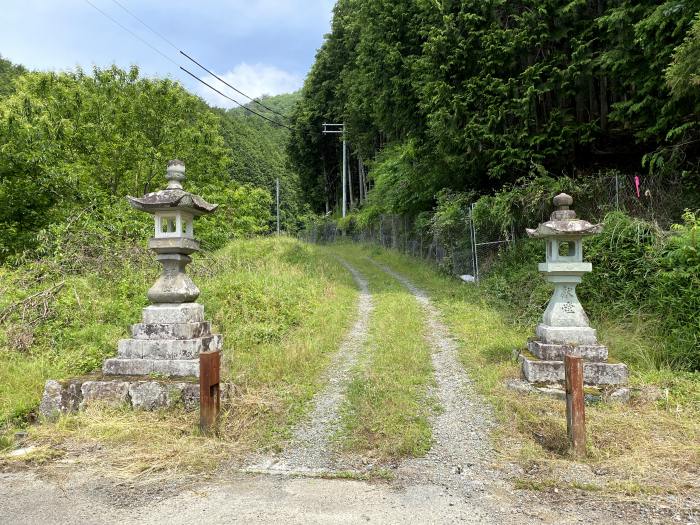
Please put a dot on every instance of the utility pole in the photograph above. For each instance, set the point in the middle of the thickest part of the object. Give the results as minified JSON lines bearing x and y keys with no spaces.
{"x":278,"y":205}
{"x":339,"y":129}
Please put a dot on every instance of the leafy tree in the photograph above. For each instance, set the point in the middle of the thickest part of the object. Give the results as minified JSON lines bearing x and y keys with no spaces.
{"x":8,"y":73}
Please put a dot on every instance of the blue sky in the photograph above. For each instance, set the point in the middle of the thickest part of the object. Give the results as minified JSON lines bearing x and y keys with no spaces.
{"x":259,"y":46}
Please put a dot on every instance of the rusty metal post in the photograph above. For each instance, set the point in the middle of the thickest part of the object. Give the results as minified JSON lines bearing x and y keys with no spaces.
{"x":209,"y":391}
{"x":575,"y":409}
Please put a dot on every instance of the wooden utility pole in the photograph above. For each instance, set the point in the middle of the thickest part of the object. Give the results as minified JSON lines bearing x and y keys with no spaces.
{"x":209,"y":391}
{"x":575,"y":408}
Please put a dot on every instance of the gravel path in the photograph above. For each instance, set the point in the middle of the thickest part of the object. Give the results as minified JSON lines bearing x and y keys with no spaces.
{"x":461,"y":455}
{"x":310,"y":450}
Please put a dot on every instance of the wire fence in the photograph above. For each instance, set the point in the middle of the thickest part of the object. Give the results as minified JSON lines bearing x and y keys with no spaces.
{"x":472,"y":243}
{"x":468,"y":256}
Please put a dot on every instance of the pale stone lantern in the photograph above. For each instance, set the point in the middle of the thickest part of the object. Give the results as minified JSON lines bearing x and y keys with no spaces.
{"x":173,"y":332}
{"x":565,"y":328}
{"x":174,"y":211}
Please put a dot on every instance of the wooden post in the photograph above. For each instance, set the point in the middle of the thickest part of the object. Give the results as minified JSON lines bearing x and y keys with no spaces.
{"x":575,"y":410}
{"x":209,"y":392}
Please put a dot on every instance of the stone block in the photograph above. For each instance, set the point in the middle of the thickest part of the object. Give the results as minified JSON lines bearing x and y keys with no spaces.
{"x":552,"y":352}
{"x":60,"y":398}
{"x":171,"y":331}
{"x":537,"y":371}
{"x":173,"y":313}
{"x":563,"y":335}
{"x":144,"y":367}
{"x":173,"y":349}
{"x":114,"y":393}
{"x":67,"y":397}
{"x":183,"y":394}
{"x":148,"y":395}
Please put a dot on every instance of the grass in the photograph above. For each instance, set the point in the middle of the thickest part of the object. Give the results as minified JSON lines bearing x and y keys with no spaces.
{"x":385,"y":415}
{"x":273,"y":299}
{"x":650,"y":444}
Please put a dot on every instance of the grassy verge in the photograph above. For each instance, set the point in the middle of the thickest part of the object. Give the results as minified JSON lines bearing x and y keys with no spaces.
{"x":650,"y":445}
{"x":273,"y":299}
{"x":386,"y":411}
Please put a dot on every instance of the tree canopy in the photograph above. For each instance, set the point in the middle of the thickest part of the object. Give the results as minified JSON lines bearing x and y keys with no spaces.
{"x":76,"y":143}
{"x":475,"y":94}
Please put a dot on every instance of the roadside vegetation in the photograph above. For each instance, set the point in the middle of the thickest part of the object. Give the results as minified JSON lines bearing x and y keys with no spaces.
{"x":274,"y":300}
{"x":647,"y":446}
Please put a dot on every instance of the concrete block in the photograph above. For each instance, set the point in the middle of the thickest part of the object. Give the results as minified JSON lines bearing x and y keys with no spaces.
{"x":567,"y":335}
{"x":537,"y":371}
{"x":173,"y":313}
{"x":114,"y":393}
{"x":553,"y":352}
{"x":144,"y":367}
{"x":171,"y":331}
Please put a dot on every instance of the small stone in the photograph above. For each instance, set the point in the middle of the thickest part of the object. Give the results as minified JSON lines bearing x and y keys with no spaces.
{"x":518,"y":385}
{"x":621,"y":395}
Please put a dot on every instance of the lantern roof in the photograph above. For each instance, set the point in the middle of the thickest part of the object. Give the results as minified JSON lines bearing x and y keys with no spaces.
{"x":174,"y":197}
{"x":563,"y":222}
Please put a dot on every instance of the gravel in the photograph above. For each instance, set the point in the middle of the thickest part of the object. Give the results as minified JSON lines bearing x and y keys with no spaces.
{"x":310,"y":450}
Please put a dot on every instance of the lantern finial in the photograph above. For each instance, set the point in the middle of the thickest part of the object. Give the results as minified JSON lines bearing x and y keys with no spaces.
{"x":175,"y":174}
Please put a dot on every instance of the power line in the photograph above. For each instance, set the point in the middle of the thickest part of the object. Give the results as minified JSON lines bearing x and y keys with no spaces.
{"x":234,"y":101}
{"x":132,"y":33}
{"x":115,"y":21}
{"x":229,"y":85}
{"x":188,"y":57}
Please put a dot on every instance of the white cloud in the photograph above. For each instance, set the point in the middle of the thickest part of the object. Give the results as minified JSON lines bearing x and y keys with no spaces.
{"x":254,"y":80}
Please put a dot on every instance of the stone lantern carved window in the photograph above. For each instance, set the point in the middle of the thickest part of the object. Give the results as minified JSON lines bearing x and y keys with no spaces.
{"x":177,"y":224}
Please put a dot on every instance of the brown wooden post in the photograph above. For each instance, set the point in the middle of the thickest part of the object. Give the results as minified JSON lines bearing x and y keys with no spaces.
{"x":575,"y":409}
{"x":209,"y":392}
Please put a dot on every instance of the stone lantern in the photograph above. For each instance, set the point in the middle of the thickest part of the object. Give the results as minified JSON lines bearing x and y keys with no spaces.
{"x":173,"y":332}
{"x":565,"y":328}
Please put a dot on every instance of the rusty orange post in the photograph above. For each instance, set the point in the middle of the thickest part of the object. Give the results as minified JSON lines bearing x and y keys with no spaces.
{"x":575,"y":408}
{"x":209,"y":391}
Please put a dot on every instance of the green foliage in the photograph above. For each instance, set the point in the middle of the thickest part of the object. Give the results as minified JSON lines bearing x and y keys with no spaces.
{"x":72,"y":141}
{"x":683,"y":74}
{"x":243,"y":211}
{"x":476,"y":94}
{"x":8,"y":73}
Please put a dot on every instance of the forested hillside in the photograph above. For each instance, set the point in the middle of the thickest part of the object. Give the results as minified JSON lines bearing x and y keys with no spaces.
{"x":74,"y":144}
{"x":476,"y":94}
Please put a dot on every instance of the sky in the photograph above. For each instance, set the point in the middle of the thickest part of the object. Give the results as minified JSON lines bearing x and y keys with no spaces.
{"x":262,"y":47}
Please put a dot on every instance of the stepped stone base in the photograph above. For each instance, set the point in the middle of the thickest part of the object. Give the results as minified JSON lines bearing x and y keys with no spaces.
{"x":168,"y":343}
{"x":594,"y":373}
